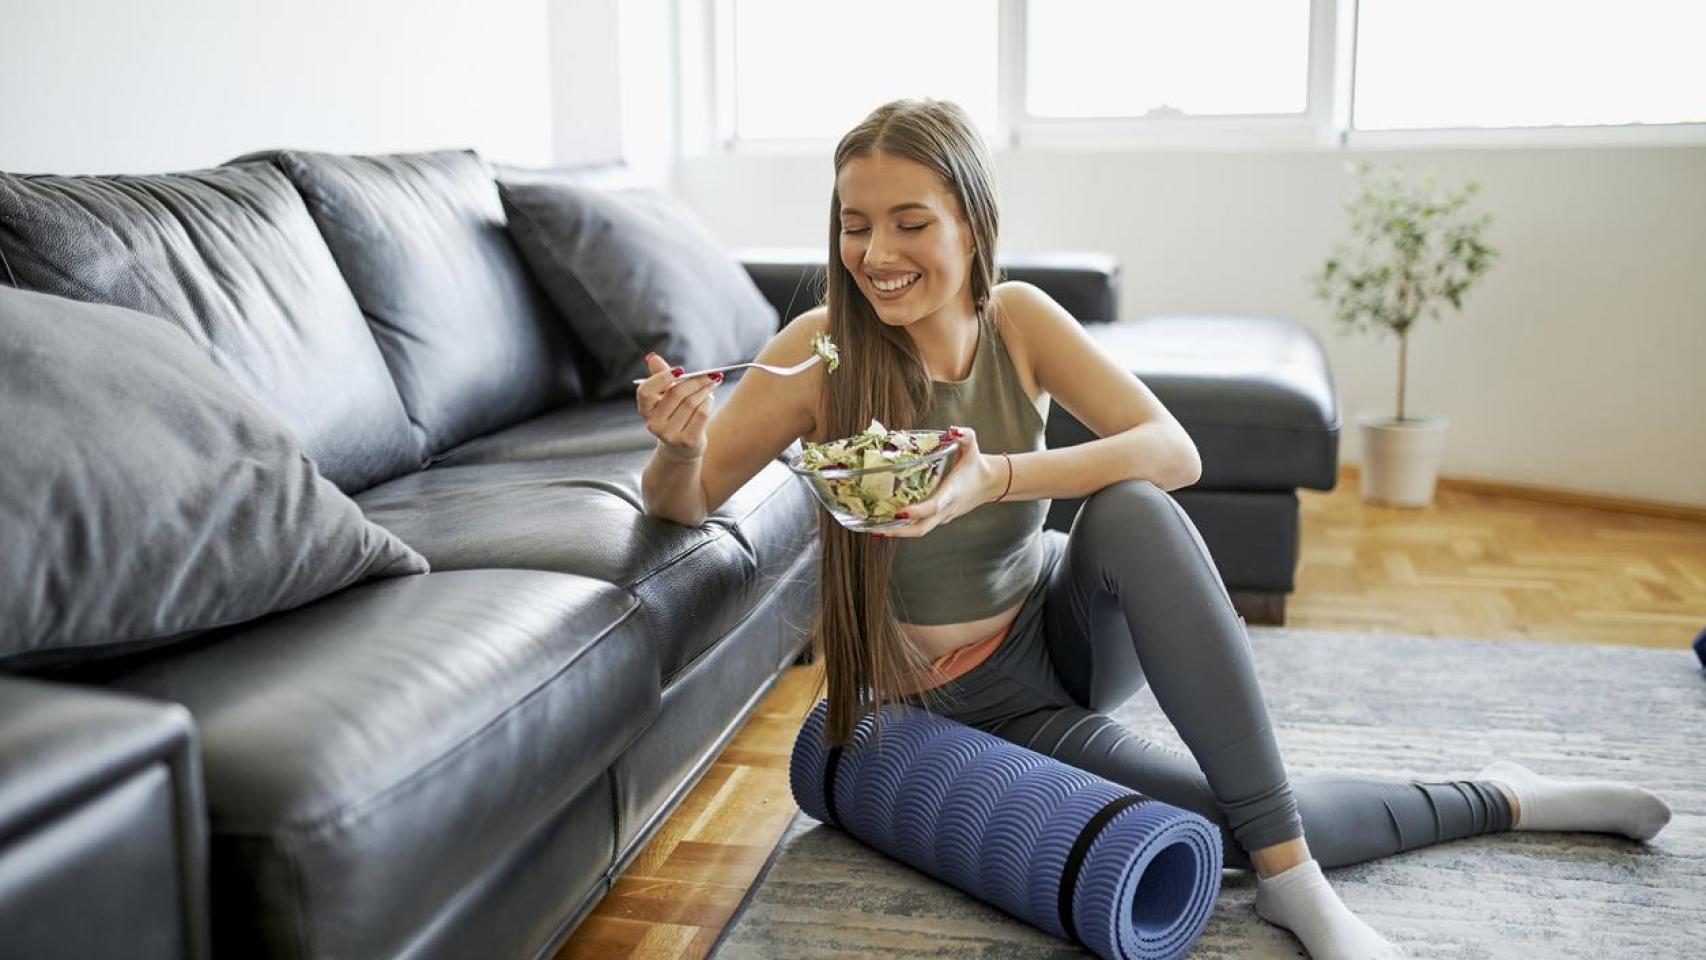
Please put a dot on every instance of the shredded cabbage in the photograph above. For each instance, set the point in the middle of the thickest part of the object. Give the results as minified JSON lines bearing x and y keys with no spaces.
{"x":879,"y":495}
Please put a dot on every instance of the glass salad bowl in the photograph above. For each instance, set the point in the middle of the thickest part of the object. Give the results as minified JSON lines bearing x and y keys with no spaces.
{"x":864,"y":480}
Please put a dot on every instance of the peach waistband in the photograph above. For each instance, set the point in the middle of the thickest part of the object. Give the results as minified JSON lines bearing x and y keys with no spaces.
{"x":956,"y":663}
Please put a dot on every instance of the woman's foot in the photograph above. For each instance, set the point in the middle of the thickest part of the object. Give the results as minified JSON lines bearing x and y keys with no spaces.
{"x":1300,"y":900}
{"x":1598,"y":806}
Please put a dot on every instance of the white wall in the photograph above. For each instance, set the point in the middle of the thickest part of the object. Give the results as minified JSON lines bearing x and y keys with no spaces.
{"x":585,"y":67}
{"x":146,"y":86}
{"x":1579,"y":361}
{"x":612,"y":85}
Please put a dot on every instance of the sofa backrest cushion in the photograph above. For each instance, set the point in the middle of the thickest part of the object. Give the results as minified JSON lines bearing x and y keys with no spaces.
{"x":146,"y":497}
{"x":232,"y":257}
{"x":634,"y":271}
{"x":472,"y":342}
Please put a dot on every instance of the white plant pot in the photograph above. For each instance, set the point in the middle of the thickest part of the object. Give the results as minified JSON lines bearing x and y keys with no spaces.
{"x":1400,"y":458}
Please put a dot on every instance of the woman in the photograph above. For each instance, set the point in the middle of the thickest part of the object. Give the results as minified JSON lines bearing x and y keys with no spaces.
{"x":972,"y":610}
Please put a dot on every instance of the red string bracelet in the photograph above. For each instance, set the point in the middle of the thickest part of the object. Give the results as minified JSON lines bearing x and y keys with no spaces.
{"x":1009,"y":479}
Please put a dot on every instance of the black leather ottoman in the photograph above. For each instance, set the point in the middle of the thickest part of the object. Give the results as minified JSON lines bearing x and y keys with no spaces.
{"x":1256,"y":395}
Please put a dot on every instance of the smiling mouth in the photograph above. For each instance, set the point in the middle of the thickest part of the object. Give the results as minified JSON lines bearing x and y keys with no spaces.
{"x":897,"y":285}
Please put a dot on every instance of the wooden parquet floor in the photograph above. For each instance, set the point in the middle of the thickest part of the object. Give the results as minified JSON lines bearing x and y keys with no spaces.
{"x":1473,"y":564}
{"x":1487,"y":566}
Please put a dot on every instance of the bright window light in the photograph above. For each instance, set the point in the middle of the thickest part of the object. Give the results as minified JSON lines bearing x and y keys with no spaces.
{"x":1525,"y":63}
{"x":810,"y":69}
{"x":1125,"y":58}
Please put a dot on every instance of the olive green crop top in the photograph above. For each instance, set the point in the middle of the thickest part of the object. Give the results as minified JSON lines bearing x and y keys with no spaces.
{"x":985,"y":560}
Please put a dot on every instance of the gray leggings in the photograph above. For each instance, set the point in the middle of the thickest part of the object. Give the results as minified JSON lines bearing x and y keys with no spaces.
{"x":1132,"y":594}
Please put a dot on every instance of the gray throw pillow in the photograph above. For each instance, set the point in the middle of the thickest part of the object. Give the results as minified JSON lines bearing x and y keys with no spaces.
{"x":633,"y":271}
{"x":146,"y":497}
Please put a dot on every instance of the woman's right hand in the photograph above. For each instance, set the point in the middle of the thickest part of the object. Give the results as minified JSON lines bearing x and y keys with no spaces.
{"x":676,"y":411}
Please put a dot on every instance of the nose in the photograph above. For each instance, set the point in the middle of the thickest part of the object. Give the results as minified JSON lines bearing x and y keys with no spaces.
{"x":877,"y":252}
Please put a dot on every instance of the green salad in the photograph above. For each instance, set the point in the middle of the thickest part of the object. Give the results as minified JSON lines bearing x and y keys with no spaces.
{"x":879,"y":495}
{"x":825,"y":348}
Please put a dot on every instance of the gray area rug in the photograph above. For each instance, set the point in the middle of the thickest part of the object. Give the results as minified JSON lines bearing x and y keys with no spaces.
{"x":1384,"y":706}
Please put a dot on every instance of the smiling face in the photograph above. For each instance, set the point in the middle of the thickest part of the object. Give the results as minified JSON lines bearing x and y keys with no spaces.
{"x":903,"y":239}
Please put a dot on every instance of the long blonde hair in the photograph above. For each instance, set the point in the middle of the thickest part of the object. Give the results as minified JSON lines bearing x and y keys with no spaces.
{"x":867,"y":660}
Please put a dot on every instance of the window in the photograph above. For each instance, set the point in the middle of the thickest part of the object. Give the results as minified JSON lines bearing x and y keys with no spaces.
{"x":1203,"y":74}
{"x":1163,"y":58}
{"x":811,"y":70}
{"x":1526,"y":63}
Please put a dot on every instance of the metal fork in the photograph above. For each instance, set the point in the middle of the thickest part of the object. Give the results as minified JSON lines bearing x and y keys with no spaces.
{"x":782,"y":371}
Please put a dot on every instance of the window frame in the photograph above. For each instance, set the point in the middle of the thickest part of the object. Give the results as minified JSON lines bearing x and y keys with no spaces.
{"x":1324,"y":125}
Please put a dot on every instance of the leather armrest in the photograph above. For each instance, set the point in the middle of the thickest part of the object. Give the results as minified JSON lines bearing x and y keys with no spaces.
{"x":103,"y":831}
{"x":1086,"y":283}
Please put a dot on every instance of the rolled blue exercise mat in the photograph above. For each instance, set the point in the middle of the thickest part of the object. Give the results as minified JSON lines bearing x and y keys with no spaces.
{"x":1125,"y":876}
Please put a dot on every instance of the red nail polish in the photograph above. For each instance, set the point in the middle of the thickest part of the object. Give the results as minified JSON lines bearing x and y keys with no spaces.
{"x":716,"y":378}
{"x":902,"y":515}
{"x":678,"y":371}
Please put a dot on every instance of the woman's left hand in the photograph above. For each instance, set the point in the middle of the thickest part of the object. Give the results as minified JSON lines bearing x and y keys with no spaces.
{"x":969,"y":484}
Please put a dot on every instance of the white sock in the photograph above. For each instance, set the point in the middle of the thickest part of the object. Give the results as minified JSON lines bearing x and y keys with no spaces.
{"x":1300,"y":900}
{"x":1598,"y":806}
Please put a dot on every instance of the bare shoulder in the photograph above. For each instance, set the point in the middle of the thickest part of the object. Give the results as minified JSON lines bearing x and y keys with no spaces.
{"x":1030,"y":309}
{"x":809,"y":324}
{"x":1028,"y":319}
{"x":793,"y":342}
{"x":1071,"y":367}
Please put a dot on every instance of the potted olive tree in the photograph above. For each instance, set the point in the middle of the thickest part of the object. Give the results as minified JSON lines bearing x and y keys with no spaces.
{"x":1411,"y":252}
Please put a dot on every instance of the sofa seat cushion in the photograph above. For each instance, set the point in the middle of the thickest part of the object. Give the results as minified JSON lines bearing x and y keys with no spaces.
{"x":604,"y":427}
{"x":1255,"y":393}
{"x":584,"y":515}
{"x":232,"y":257}
{"x":573,"y":431}
{"x":367,"y":754}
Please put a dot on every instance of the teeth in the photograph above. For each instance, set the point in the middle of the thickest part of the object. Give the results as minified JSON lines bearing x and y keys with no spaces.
{"x":889,"y":286}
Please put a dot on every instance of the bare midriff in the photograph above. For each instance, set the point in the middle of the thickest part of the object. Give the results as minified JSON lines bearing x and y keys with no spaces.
{"x":960,"y":659}
{"x":939,"y":640}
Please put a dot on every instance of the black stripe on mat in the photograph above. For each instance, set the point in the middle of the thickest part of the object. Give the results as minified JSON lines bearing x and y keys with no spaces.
{"x":831,"y":765}
{"x":1081,"y":849}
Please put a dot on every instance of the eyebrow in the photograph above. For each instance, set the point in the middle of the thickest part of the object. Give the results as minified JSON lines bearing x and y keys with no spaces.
{"x":894,"y":209}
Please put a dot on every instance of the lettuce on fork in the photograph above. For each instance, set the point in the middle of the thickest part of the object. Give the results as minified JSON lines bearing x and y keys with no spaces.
{"x":879,"y":495}
{"x":827,"y":351}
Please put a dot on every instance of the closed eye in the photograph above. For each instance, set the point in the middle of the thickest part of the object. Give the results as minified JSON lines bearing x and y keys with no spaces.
{"x":913,"y":229}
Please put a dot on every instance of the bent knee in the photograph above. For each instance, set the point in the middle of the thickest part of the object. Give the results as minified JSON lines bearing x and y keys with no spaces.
{"x":1121,"y":504}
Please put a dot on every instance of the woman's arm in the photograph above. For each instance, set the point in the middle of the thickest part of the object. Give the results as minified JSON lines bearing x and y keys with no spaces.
{"x":1157,"y":452}
{"x":1139,"y":438}
{"x":749,"y":429}
{"x":670,"y":488}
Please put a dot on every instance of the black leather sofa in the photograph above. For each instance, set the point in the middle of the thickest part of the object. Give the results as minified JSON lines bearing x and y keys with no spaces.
{"x":451,"y":764}
{"x":1254,"y":392}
